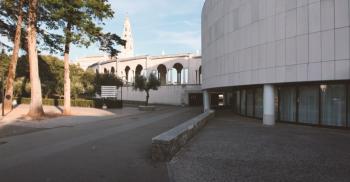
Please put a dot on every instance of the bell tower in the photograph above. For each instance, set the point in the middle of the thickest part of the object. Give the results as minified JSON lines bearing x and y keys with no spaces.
{"x":128,"y":49}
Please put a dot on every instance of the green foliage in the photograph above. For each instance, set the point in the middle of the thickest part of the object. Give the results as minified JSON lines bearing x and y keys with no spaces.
{"x":96,"y":103}
{"x":107,"y":79}
{"x":153,"y":82}
{"x":88,"y":82}
{"x":8,"y":19}
{"x":51,"y":71}
{"x":146,"y":84}
{"x":9,"y":11}
{"x":109,"y":41}
{"x":4,"y":61}
{"x":19,"y":86}
{"x":80,"y":21}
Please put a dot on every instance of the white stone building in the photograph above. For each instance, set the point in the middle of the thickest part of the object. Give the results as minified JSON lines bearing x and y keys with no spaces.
{"x":180,"y":75}
{"x":280,"y":60}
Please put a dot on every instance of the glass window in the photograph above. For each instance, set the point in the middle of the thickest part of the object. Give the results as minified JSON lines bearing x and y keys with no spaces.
{"x":287,"y":103}
{"x":237,"y":98}
{"x":348,"y":106}
{"x":308,"y":104}
{"x":243,"y":102}
{"x":258,"y":103}
{"x":333,"y":99}
{"x":250,"y":102}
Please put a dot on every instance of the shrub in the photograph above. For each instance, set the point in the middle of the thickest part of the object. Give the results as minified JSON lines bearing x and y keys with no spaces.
{"x":143,"y":83}
{"x":96,"y":103}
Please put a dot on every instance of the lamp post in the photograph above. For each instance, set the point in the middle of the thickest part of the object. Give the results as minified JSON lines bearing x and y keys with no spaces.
{"x":121,"y":94}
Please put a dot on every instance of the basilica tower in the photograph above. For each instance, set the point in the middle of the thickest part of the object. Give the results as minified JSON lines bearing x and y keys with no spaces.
{"x":128,"y":49}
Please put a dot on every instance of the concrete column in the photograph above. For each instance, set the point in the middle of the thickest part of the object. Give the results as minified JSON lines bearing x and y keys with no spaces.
{"x":206,"y":101}
{"x":269,"y":105}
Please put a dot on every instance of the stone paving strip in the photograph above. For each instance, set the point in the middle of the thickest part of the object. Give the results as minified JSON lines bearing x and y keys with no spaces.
{"x":167,"y":144}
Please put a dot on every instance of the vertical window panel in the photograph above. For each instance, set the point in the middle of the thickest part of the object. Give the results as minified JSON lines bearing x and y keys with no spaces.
{"x":333,"y":98}
{"x":250,"y":102}
{"x":287,"y":103}
{"x":237,"y":98}
{"x":308,"y":111}
{"x":243,"y":102}
{"x":258,"y":103}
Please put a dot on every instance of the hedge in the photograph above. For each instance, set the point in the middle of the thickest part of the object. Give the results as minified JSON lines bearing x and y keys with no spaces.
{"x":94,"y":103}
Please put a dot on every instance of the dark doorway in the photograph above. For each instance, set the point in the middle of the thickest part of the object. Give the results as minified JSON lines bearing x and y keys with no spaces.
{"x":195,"y":99}
{"x":162,"y":74}
{"x":139,"y":69}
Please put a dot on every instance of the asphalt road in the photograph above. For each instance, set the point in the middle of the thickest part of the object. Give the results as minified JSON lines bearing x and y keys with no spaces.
{"x":108,"y":150}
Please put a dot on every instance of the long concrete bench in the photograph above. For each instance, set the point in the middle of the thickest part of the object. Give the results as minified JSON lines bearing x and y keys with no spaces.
{"x":167,"y":144}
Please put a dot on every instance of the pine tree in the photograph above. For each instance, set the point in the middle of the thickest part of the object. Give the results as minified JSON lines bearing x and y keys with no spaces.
{"x":13,"y":15}
{"x":13,"y":64}
{"x":36,"y":108}
{"x":78,"y":20}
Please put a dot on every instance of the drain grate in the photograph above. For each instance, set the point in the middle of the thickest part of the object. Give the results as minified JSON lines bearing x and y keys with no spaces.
{"x":2,"y":142}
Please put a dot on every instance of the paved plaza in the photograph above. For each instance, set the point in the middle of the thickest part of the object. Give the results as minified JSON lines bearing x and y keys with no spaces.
{"x":232,"y":148}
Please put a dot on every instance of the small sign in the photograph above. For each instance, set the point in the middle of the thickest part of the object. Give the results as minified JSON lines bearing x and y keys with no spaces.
{"x":109,"y":92}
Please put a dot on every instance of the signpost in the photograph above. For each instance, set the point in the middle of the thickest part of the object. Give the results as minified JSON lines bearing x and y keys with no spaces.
{"x":109,"y":91}
{"x":121,"y":94}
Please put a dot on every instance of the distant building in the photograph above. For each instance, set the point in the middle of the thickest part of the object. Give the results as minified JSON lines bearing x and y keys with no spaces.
{"x":180,"y":75}
{"x":85,"y":62}
{"x":128,"y":49}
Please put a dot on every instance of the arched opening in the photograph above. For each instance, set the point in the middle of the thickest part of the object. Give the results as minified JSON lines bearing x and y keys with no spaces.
{"x":162,"y":74}
{"x":200,"y":75}
{"x":178,"y":67}
{"x":105,"y":71}
{"x":112,"y":70}
{"x":138,"y":70}
{"x":127,"y":69}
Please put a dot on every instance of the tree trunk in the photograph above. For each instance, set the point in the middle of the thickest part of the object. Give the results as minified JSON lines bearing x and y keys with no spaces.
{"x":13,"y":64}
{"x":67,"y":89}
{"x":36,"y":108}
{"x":147,"y":97}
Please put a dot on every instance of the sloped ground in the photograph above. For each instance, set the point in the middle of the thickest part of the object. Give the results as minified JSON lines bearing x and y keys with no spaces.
{"x":232,"y":148}
{"x":16,"y":122}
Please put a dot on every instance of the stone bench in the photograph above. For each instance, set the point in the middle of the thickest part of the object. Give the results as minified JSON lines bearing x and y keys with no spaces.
{"x":167,"y":144}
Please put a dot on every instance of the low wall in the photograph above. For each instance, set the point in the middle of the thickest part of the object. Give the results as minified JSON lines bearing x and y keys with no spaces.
{"x":169,"y":95}
{"x":167,"y":144}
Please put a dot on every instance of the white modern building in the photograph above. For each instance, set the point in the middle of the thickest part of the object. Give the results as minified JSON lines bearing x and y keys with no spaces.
{"x":279,"y":60}
{"x":180,"y":75}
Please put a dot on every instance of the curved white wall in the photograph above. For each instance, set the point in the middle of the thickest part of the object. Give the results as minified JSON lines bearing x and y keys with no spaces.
{"x":249,"y":42}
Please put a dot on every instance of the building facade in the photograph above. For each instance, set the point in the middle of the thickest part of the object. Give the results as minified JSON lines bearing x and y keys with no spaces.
{"x":180,"y":77}
{"x":279,"y":60}
{"x":182,"y":69}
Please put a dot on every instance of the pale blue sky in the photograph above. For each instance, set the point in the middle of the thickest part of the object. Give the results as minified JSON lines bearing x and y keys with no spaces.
{"x":172,"y":26}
